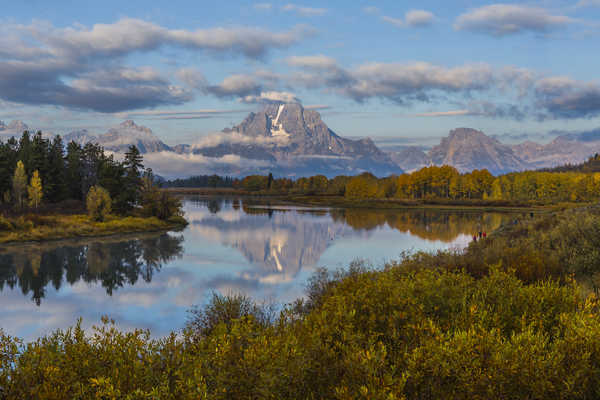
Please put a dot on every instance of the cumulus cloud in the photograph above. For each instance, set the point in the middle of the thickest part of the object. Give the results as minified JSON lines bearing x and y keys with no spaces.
{"x":78,"y":67}
{"x":129,"y":34}
{"x":173,"y":165}
{"x":419,"y":18}
{"x":192,"y":78}
{"x":237,"y":138}
{"x":239,"y":85}
{"x":563,"y":97}
{"x":317,"y":62}
{"x":507,"y":19}
{"x":305,"y":11}
{"x":469,"y":86}
{"x":412,"y":18}
{"x":272,"y":97}
{"x":405,"y":82}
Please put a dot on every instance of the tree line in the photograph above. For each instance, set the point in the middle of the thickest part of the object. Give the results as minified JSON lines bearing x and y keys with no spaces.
{"x":35,"y":170}
{"x":443,"y":183}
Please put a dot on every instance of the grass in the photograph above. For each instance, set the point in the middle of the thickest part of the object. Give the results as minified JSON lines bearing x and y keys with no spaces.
{"x":50,"y":227}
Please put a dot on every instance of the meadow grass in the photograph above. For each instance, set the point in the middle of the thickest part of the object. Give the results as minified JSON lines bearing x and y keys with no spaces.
{"x":50,"y":227}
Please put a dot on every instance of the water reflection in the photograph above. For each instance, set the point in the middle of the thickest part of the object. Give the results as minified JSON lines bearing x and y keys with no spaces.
{"x":264,"y":250}
{"x":114,"y":262}
{"x":278,"y":241}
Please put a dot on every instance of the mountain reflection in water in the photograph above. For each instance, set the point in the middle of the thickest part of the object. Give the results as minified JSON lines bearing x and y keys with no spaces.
{"x":231,"y":245}
{"x":278,"y":241}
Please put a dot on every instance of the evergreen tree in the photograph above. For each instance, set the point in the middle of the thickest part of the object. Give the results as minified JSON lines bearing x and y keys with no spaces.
{"x":131,"y":189}
{"x":73,"y":171}
{"x":55,"y":187}
{"x":35,"y":190}
{"x":5,"y":169}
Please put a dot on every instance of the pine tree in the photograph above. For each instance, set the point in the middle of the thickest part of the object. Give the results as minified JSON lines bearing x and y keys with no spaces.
{"x":73,"y":171}
{"x":55,"y":187}
{"x":19,"y":184}
{"x":35,"y":190}
{"x":130,"y":193}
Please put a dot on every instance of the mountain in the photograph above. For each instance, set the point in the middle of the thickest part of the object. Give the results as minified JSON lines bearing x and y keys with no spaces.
{"x":565,"y":149}
{"x":14,"y":128}
{"x":297,"y":141}
{"x":468,"y":149}
{"x":465,"y":149}
{"x":119,"y":138}
{"x":411,"y":158}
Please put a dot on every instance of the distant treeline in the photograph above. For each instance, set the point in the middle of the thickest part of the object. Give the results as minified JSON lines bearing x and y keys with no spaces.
{"x":440,"y":183}
{"x":201,"y":181}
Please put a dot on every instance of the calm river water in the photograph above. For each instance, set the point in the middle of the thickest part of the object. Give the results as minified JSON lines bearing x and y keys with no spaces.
{"x":268,"y":252}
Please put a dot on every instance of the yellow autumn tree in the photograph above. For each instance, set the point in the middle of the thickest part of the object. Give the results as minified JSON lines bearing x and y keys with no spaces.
{"x":19,"y":184}
{"x":35,"y":190}
{"x":98,"y":203}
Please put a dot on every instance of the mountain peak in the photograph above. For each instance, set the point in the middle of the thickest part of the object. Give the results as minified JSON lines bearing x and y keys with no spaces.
{"x":467,"y":149}
{"x":128,"y":124}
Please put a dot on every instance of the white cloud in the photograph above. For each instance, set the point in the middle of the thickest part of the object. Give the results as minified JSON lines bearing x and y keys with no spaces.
{"x":507,"y":19}
{"x":172,"y":165}
{"x":399,"y":22}
{"x":272,"y":97}
{"x":235,"y":137}
{"x":419,"y":18}
{"x":319,"y":62}
{"x":79,"y":67}
{"x":443,"y":113}
{"x":305,"y":11}
{"x":412,"y":18}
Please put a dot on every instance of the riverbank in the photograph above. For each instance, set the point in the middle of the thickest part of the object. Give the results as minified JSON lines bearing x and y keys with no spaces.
{"x":262,"y":197}
{"x":32,"y":228}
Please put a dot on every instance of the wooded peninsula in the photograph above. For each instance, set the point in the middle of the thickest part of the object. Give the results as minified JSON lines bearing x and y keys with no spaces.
{"x":48,"y":193}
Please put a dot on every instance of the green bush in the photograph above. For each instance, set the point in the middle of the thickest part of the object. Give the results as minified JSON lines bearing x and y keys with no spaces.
{"x":392,"y":334}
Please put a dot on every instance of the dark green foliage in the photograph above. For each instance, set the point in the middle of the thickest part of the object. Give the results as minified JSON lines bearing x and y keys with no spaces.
{"x":70,"y":176}
{"x":201,"y":181}
{"x":74,"y":171}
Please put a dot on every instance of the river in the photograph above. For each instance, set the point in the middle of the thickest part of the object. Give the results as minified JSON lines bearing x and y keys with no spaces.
{"x":150,"y":280}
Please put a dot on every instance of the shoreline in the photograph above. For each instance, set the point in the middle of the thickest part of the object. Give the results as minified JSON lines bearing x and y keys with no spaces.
{"x":74,"y":227}
{"x":333,"y":201}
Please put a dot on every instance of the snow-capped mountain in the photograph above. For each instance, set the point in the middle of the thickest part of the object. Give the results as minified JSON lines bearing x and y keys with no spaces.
{"x":119,"y":138}
{"x":296,"y":140}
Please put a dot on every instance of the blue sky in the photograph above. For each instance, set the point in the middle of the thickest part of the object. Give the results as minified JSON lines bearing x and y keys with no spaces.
{"x":384,"y":69}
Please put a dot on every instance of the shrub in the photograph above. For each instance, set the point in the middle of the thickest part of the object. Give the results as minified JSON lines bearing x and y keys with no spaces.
{"x":5,"y":224}
{"x":98,"y":203}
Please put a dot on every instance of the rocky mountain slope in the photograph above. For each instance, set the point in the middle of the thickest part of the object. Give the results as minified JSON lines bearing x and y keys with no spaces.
{"x":119,"y":138}
{"x":297,"y":141}
{"x":468,"y":149}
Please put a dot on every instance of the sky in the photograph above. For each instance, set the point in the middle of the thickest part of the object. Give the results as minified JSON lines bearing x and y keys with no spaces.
{"x":399,"y":72}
